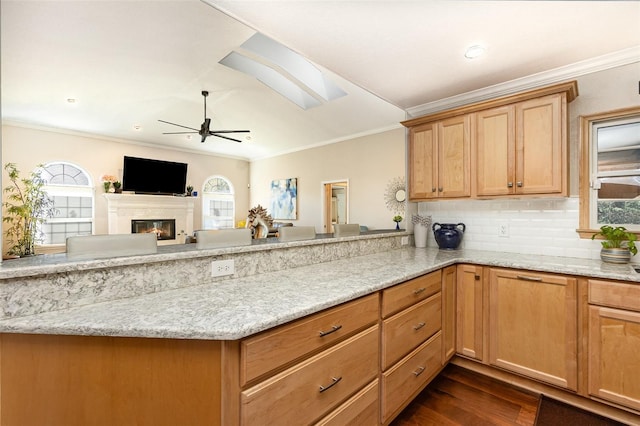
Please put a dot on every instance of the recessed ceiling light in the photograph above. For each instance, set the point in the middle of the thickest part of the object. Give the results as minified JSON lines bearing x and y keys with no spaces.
{"x":71,"y":100}
{"x":248,"y":137}
{"x":474,"y":51}
{"x":137,"y":127}
{"x":189,"y":137}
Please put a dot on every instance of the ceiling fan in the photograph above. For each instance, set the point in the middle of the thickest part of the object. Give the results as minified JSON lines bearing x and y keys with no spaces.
{"x":204,"y":131}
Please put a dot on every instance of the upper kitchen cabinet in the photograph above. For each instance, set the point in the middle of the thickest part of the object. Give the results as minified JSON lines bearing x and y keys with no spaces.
{"x":522,"y":149}
{"x":439,"y":159}
{"x":519,"y":147}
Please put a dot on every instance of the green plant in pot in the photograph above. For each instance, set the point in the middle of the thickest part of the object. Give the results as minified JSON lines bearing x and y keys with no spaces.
{"x":27,"y":206}
{"x":189,"y":190}
{"x":618,"y":245}
{"x":397,"y":219}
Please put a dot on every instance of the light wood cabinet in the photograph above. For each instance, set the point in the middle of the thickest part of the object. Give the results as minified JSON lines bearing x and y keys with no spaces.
{"x":402,"y":382}
{"x":470,"y":311}
{"x":518,"y":147}
{"x":533,"y":327}
{"x":267,"y":351}
{"x":439,"y":157}
{"x":308,"y":390}
{"x":411,"y":341}
{"x":448,"y":313}
{"x":614,"y":342}
{"x":522,"y":149}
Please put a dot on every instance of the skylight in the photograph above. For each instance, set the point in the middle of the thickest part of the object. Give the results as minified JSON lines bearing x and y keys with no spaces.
{"x":284,"y":71}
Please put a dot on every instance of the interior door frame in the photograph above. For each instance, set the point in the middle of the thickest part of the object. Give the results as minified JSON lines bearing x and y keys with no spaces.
{"x":325,"y":195}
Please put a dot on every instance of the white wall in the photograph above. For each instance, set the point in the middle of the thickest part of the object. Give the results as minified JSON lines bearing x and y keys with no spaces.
{"x":368,"y":162}
{"x":543,"y":226}
{"x":30,"y":147}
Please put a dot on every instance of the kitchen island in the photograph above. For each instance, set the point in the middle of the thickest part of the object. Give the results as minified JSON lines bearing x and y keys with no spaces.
{"x":119,"y":353}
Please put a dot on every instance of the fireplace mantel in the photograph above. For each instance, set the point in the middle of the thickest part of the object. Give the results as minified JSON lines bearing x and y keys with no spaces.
{"x":122,"y":208}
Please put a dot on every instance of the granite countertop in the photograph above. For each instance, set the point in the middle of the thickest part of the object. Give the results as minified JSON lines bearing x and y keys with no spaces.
{"x":59,"y":263}
{"x":236,"y":308}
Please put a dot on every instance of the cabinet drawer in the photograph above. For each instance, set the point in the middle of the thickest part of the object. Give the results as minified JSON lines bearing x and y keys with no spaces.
{"x":406,"y":294}
{"x":404,"y":331}
{"x":309,"y":390}
{"x":402,"y":382}
{"x":614,"y":294}
{"x":271,"y":349}
{"x":360,"y":409}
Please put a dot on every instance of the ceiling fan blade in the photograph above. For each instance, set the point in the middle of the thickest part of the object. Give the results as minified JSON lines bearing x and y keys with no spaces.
{"x":223,"y":137}
{"x":179,"y":125}
{"x":230,"y":131}
{"x":178,"y":133}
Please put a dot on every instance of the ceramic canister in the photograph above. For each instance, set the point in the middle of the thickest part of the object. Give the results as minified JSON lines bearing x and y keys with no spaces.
{"x":448,"y":235}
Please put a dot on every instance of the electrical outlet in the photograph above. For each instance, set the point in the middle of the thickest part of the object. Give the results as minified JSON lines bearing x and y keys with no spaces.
{"x":404,"y":241}
{"x":220,"y":268}
{"x":503,"y":230}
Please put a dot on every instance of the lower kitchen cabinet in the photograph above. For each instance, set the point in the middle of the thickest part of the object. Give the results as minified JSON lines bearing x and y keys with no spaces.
{"x":405,"y":379}
{"x":614,"y":342}
{"x":448,"y":313}
{"x":533,"y":327}
{"x":469,"y":311}
{"x":411,"y":340}
{"x":308,"y":390}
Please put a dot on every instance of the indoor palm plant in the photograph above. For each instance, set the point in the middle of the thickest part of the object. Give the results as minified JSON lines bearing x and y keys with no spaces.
{"x":618,"y":245}
{"x":27,"y":206}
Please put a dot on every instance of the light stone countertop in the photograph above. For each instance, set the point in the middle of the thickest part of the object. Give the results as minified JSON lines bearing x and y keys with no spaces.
{"x":236,"y":308}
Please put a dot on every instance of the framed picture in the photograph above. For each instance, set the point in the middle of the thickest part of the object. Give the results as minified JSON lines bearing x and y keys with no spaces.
{"x":284,"y":198}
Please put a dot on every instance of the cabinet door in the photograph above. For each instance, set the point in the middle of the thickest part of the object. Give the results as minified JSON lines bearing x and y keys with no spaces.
{"x":495,"y":151}
{"x":469,"y":311}
{"x":541,"y":156}
{"x":614,"y":360}
{"x":448,"y":313}
{"x":423,"y":162}
{"x":453,"y":157}
{"x":533,"y":325}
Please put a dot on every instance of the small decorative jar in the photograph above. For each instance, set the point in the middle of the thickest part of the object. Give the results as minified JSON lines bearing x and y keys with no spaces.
{"x":448,"y":235}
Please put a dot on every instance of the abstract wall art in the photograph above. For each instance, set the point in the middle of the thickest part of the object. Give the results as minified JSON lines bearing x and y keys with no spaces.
{"x":284,"y":198}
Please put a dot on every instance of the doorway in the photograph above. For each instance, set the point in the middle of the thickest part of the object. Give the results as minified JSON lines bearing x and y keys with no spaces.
{"x":335,"y":209}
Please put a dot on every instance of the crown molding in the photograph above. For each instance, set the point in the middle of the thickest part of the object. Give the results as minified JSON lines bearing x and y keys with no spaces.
{"x":557,"y":75}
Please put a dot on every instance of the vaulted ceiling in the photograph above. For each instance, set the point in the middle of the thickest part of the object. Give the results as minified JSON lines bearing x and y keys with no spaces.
{"x":129,"y":63}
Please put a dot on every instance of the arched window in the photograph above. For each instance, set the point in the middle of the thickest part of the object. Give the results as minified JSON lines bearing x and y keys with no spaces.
{"x":72,"y":192}
{"x":218,"y":203}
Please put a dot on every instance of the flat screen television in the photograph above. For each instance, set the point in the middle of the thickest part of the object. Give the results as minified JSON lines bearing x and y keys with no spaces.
{"x":147,"y":176}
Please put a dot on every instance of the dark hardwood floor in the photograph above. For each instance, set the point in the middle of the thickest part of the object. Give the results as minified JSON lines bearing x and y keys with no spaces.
{"x":461,"y":397}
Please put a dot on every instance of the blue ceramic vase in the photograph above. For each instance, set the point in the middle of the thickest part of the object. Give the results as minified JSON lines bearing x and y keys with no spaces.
{"x":448,"y":235}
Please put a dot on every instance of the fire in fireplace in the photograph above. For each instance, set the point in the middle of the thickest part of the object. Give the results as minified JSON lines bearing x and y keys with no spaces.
{"x":165,"y":229}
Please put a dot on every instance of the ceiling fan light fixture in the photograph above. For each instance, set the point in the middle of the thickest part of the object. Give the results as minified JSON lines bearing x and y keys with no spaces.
{"x":474,"y":51}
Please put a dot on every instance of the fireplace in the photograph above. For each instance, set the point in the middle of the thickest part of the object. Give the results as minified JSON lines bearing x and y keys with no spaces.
{"x":165,"y":229}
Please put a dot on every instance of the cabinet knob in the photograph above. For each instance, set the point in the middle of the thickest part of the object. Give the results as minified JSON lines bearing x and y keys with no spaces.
{"x":510,"y":185}
{"x":440,"y":189}
{"x":433,"y":189}
{"x":519,"y":184}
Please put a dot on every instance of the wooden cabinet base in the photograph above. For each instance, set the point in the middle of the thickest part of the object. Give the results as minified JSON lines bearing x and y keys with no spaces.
{"x":78,"y":380}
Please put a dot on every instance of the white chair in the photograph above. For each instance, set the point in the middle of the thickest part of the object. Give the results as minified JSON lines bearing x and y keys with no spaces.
{"x":296,"y":233}
{"x":116,"y":245}
{"x":346,"y":230}
{"x":220,"y":238}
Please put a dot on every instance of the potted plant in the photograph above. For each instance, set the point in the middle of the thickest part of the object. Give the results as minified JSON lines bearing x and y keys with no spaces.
{"x":189,"y":190}
{"x":27,"y":206}
{"x":117,"y":185}
{"x":397,"y":219}
{"x":618,"y":245}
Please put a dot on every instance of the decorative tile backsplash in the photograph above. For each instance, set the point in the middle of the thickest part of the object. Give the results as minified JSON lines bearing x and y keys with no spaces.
{"x":534,"y":226}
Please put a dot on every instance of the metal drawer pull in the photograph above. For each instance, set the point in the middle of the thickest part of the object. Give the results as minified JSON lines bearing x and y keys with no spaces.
{"x":418,"y":371}
{"x":519,"y":184}
{"x":526,"y":278}
{"x":510,"y":185}
{"x":419,"y":290}
{"x":419,"y":326}
{"x":333,"y":330}
{"x":334,"y":381}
